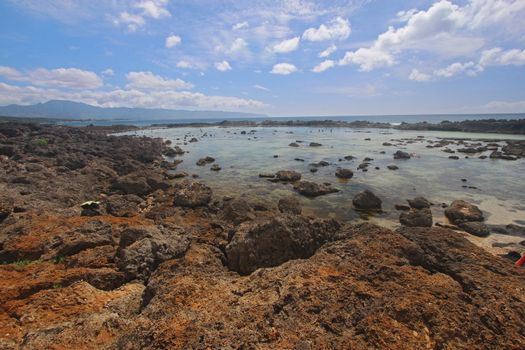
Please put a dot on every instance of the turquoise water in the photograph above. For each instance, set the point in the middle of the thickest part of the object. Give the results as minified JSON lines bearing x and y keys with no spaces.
{"x":500,"y":184}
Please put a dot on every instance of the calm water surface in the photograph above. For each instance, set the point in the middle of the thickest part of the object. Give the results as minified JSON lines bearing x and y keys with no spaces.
{"x":500,"y":184}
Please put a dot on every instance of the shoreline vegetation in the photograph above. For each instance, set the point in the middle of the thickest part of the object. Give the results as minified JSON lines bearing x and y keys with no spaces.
{"x":103,"y":246}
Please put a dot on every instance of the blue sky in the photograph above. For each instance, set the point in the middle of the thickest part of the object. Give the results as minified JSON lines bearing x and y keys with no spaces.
{"x":296,"y":57}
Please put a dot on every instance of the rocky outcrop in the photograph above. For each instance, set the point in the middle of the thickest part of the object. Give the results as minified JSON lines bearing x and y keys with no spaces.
{"x":366,"y":200}
{"x":289,"y":205}
{"x":416,"y":218}
{"x":124,"y":205}
{"x":460,"y":211}
{"x":271,"y":242}
{"x":191,"y":194}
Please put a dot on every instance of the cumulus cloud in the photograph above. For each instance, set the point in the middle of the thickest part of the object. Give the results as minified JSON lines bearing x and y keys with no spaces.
{"x":190,"y":64}
{"x":321,"y":67}
{"x":140,"y":11}
{"x":287,"y":45}
{"x":337,"y":29}
{"x":108,"y":72}
{"x":444,"y":28}
{"x":223,"y":66}
{"x":61,"y":77}
{"x":172,"y":41}
{"x":329,"y":50}
{"x":150,"y":81}
{"x":283,"y":69}
{"x":470,"y":68}
{"x":416,"y":75}
{"x":126,"y":98}
{"x":499,"y":57}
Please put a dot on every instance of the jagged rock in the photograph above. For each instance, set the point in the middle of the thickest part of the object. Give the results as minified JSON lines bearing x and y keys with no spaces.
{"x":366,"y":200}
{"x":312,"y":189}
{"x":419,"y":203}
{"x":123,"y":205}
{"x":237,"y":211}
{"x":289,"y":205}
{"x":460,"y":211}
{"x":287,"y":176}
{"x":475,"y":228}
{"x":416,"y":218}
{"x":142,"y":249}
{"x":271,"y":242}
{"x":344,"y":173}
{"x":139,"y":183}
{"x":191,"y":194}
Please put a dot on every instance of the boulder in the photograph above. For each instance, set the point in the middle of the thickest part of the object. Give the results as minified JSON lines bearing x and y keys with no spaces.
{"x":293,"y":144}
{"x":475,"y":228}
{"x":312,"y":189}
{"x":392,"y":167}
{"x":141,"y":249}
{"x":416,"y":218}
{"x":191,"y":194}
{"x":271,"y":242}
{"x":289,"y":205}
{"x":460,"y":211}
{"x":237,"y":211}
{"x":401,"y":155}
{"x":343,"y":173}
{"x":287,"y":176}
{"x":205,"y":160}
{"x":215,"y":167}
{"x":419,"y":203}
{"x":366,"y":200}
{"x":123,"y":205}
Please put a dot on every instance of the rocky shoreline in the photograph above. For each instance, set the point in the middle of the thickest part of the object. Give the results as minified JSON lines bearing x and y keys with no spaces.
{"x":497,"y":126}
{"x":102,"y":246}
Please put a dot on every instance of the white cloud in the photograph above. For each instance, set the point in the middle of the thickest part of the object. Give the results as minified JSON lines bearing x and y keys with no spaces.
{"x":150,"y":81}
{"x":329,"y":50}
{"x":222,"y":66}
{"x":238,"y":45}
{"x":321,"y":67}
{"x":416,"y":75}
{"x":240,"y":25}
{"x":260,"y":87}
{"x":136,"y":17}
{"x":108,"y":72}
{"x":283,"y":69}
{"x":61,"y":77}
{"x":287,"y":45}
{"x":446,"y":29}
{"x":469,"y":68}
{"x":190,"y":64}
{"x":126,"y":98}
{"x":337,"y":29}
{"x":498,"y":56}
{"x":368,"y":59}
{"x":172,"y":41}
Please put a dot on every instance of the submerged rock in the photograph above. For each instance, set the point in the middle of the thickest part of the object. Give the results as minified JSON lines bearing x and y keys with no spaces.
{"x":366,"y":200}
{"x":312,"y":189}
{"x":401,"y":155}
{"x":287,"y":176}
{"x":293,"y":144}
{"x":315,"y":144}
{"x":392,"y":167}
{"x":344,"y":173}
{"x":205,"y":160}
{"x":289,"y":205}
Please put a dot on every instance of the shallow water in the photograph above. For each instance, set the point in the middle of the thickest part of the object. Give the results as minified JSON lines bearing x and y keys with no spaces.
{"x":500,"y":183}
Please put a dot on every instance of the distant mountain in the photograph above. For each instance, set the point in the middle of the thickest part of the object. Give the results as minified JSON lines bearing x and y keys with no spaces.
{"x":75,"y":110}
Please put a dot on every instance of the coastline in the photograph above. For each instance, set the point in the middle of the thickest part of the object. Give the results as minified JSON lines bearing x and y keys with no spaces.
{"x":160,"y":261}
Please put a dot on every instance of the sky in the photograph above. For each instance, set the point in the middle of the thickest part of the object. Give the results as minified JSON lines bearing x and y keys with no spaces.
{"x":280,"y":58}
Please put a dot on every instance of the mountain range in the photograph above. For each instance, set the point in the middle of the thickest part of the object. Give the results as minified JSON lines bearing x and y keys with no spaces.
{"x":60,"y":109}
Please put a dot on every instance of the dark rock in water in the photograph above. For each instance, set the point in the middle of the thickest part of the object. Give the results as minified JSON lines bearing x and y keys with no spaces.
{"x":319,"y":164}
{"x":313,"y":170}
{"x":271,"y":242}
{"x":243,"y":132}
{"x":215,"y":167}
{"x":453,"y":157}
{"x":205,"y":160}
{"x":142,"y":249}
{"x":515,"y":148}
{"x":475,"y":228}
{"x":419,"y":203}
{"x":416,"y":218}
{"x":401,"y":155}
{"x":368,"y":139}
{"x":267,"y":175}
{"x":499,"y":155}
{"x":287,"y":176}
{"x":460,"y":211}
{"x":237,"y":211}
{"x":392,"y":167}
{"x":191,"y":194}
{"x":368,"y":159}
{"x":366,"y":200}
{"x":172,"y":152}
{"x":482,"y":157}
{"x":387,"y":144}
{"x":344,"y":173}
{"x":299,"y":159}
{"x":176,"y":175}
{"x":293,"y":144}
{"x":193,"y":139}
{"x":402,"y":207}
{"x":289,"y":205}
{"x":363,"y":166}
{"x":312,"y":189}
{"x":349,"y":157}
{"x":276,"y":156}
{"x":123,"y":205}
{"x":315,"y":144}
